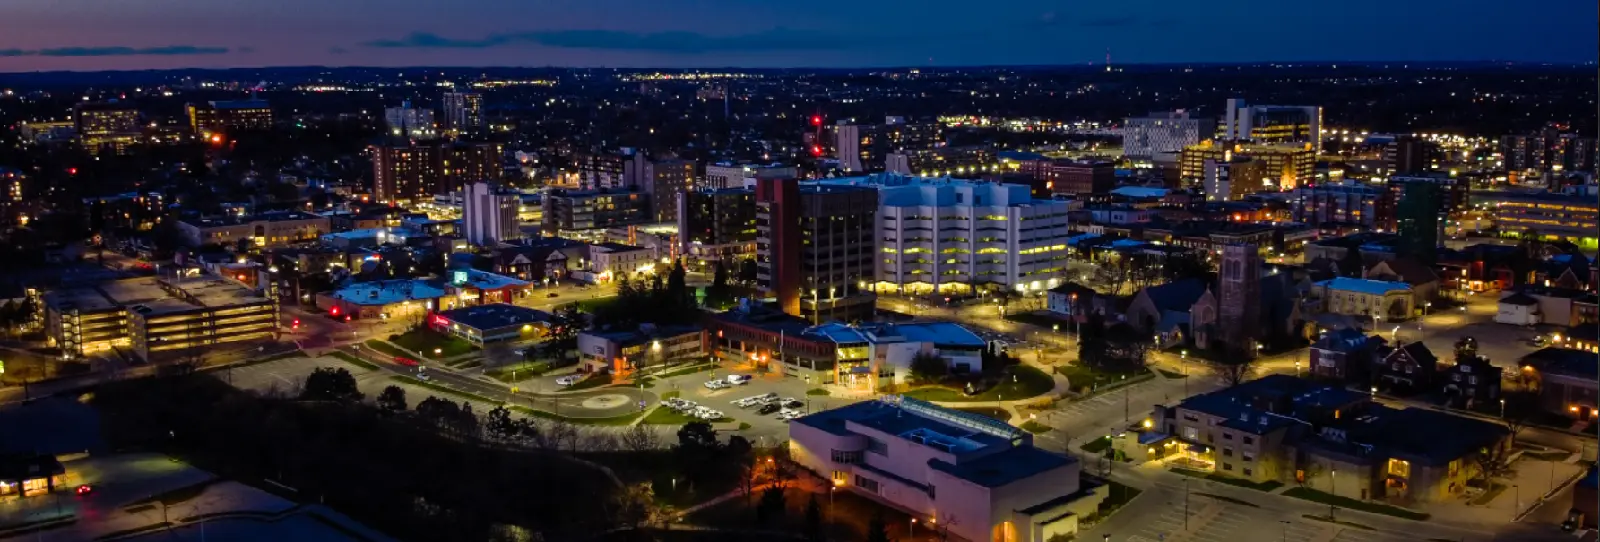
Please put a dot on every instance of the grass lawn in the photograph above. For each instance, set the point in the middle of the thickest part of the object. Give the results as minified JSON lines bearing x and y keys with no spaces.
{"x":1117,"y":496}
{"x":1041,"y":320}
{"x":594,"y":381}
{"x":687,"y":370}
{"x":1353,"y":504}
{"x":1083,"y":377}
{"x":386,"y":348}
{"x":423,"y":341}
{"x":353,"y":360}
{"x":596,"y":304}
{"x":441,"y":389}
{"x":1096,"y":446}
{"x":667,"y":416}
{"x":1326,"y":519}
{"x":1495,"y":489}
{"x":988,"y":412}
{"x":818,"y":392}
{"x":1036,"y":427}
{"x":626,"y":419}
{"x":1225,"y":498}
{"x":1267,"y":486}
{"x":1026,"y":382}
{"x":518,"y":372}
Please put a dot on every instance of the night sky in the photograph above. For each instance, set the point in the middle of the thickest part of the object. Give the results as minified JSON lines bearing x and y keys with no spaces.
{"x":137,"y":34}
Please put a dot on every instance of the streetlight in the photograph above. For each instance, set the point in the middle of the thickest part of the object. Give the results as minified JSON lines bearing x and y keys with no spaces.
{"x":1502,"y":409}
{"x":1285,"y":529}
{"x":1183,"y":363}
{"x":911,"y":529}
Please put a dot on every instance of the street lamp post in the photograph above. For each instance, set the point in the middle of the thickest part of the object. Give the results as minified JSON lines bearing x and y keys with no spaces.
{"x":1518,"y":509}
{"x":1186,"y":503}
{"x":1125,"y":409}
{"x":1183,"y":363}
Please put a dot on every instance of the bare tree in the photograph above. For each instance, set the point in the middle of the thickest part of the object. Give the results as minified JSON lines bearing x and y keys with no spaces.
{"x":1492,"y":461}
{"x":1233,"y":369}
{"x":561,"y":432}
{"x":640,"y":438}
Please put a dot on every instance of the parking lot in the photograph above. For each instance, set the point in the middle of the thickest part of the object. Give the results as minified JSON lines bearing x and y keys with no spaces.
{"x":767,"y":428}
{"x":289,"y":374}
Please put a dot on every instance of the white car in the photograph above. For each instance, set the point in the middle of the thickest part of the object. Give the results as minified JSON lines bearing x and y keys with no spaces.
{"x":568,"y":380}
{"x":739,"y":379}
{"x":718,"y":384}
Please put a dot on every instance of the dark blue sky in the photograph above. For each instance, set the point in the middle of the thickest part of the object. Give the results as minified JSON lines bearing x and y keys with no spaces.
{"x":133,"y":34}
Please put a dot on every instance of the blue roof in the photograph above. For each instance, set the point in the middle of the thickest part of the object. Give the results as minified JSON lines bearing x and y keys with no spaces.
{"x":388,"y":292}
{"x":999,"y":469}
{"x":1127,"y":243}
{"x":941,"y":333}
{"x":1139,"y":192}
{"x":1365,"y":286}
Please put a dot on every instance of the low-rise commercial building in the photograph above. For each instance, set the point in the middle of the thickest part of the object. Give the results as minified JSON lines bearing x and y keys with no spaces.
{"x":977,"y":477}
{"x":1566,"y":379}
{"x":405,"y":300}
{"x":1286,"y":429}
{"x":1547,"y":216}
{"x":267,"y":230}
{"x":1377,"y":299}
{"x":650,"y":346}
{"x":495,"y":322}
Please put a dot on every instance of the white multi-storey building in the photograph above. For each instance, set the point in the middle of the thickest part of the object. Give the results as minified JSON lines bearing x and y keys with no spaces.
{"x":412,"y":122}
{"x":949,"y":235}
{"x":954,"y":472}
{"x":1272,"y":124}
{"x":1159,"y":134}
{"x":489,"y":217}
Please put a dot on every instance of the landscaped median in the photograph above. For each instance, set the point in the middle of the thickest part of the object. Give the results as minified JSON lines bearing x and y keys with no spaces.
{"x":1353,"y":504}
{"x":1088,"y":381}
{"x":1024,"y":382}
{"x":616,"y":420}
{"x":1267,"y":486}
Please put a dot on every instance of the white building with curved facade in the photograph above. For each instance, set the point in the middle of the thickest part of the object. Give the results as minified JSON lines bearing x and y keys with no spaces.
{"x":958,"y":236}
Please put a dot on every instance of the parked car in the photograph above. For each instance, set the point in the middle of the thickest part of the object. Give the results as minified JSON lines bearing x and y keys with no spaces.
{"x":553,"y":294}
{"x":568,"y":380}
{"x":739,"y":379}
{"x":790,"y":402}
{"x":768,"y":409}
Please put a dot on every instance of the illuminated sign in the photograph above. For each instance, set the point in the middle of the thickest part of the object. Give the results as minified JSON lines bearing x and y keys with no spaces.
{"x":460,"y":278}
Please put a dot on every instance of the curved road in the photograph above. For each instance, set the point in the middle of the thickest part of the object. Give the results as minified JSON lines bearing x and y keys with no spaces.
{"x":573,"y":404}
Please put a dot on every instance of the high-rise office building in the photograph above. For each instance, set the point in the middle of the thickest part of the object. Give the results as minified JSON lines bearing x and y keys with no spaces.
{"x":663,"y":180}
{"x":1233,"y":180}
{"x":1164,"y":133}
{"x":1343,"y":204}
{"x":602,"y":170}
{"x":489,"y":217}
{"x":1078,"y":177}
{"x":1409,"y":155}
{"x":1239,"y":297}
{"x":1418,"y":216}
{"x":463,"y":111}
{"x":410,"y":122}
{"x":1272,"y":124}
{"x":1287,"y":166}
{"x":414,"y":171}
{"x":1548,"y":150}
{"x":569,"y":210}
{"x":107,"y":127}
{"x":733,"y":174}
{"x":717,"y":224}
{"x":1454,"y":191}
{"x":229,"y":116}
{"x":863,"y":147}
{"x":815,"y":247}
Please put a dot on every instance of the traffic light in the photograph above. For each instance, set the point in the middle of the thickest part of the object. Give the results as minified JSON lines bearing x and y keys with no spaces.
{"x":816,"y":120}
{"x":295,"y":324}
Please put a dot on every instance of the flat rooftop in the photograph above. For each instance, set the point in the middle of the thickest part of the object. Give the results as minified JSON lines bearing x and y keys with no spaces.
{"x":494,"y":316}
{"x":388,"y":292}
{"x":941,"y":333}
{"x":1365,"y":286}
{"x":204,"y":291}
{"x":229,"y":220}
